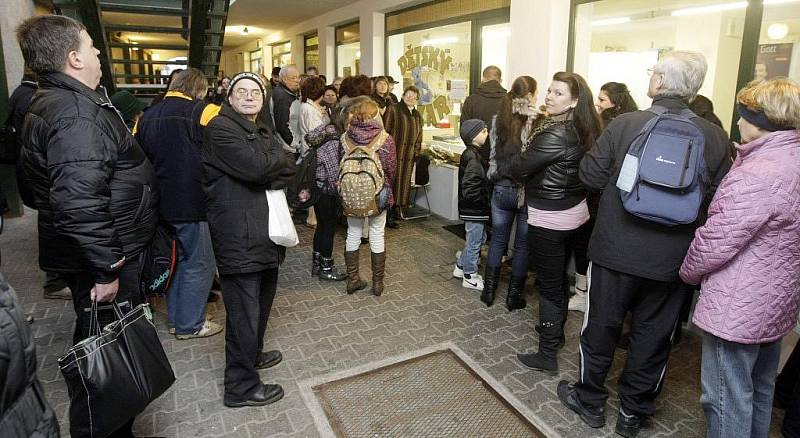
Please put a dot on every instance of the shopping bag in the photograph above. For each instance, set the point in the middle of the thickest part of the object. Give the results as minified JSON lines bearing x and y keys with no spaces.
{"x":281,"y":227}
{"x":115,"y":373}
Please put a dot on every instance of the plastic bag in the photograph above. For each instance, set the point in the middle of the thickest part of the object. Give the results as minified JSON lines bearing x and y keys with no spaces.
{"x":281,"y":227}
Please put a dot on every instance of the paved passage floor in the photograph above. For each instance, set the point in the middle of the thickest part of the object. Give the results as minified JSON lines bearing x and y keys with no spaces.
{"x":321,"y":330}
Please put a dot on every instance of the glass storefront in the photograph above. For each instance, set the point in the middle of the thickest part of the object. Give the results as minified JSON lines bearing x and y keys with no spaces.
{"x":494,"y":49}
{"x":437,"y":62}
{"x":618,"y":41}
{"x":348,"y":50}
{"x":255,"y":61}
{"x":311,"y":51}
{"x":779,"y":42}
{"x":281,"y":54}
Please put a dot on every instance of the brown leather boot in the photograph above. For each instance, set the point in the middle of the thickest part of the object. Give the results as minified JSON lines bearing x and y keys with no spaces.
{"x":354,"y":281}
{"x":378,"y":270}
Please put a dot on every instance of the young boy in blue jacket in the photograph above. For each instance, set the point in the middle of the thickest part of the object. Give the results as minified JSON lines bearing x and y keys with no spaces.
{"x":473,"y":202}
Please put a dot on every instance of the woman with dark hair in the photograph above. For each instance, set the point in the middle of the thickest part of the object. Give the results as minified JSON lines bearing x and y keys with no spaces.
{"x":381,"y":94}
{"x":353,"y":86}
{"x":330,"y":97}
{"x":220,"y":94}
{"x":614,"y":99}
{"x":404,"y":123}
{"x":556,"y":199}
{"x":704,"y":108}
{"x":312,"y":113}
{"x":510,"y":134}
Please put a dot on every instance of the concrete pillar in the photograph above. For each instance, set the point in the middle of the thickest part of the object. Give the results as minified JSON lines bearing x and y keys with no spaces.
{"x":327,"y":52}
{"x":12,"y":13}
{"x":372,"y":28}
{"x":298,"y":50}
{"x":544,"y":52}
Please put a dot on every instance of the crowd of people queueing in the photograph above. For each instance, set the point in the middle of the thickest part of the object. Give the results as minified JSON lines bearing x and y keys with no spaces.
{"x":103,"y":172}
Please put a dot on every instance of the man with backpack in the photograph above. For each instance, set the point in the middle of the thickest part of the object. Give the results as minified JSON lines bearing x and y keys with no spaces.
{"x":658,"y":170}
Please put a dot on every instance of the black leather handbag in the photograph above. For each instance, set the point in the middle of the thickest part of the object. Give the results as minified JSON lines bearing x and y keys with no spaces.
{"x":115,"y":373}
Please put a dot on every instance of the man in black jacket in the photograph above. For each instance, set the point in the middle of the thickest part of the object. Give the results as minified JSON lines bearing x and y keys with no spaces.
{"x":283,"y":95}
{"x":95,"y":190}
{"x":635,"y":262}
{"x":484,"y":103}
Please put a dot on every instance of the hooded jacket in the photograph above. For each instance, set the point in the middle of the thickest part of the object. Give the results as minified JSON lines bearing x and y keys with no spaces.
{"x":747,"y":255}
{"x":473,"y":187}
{"x":484,"y":103}
{"x":96,"y":191}
{"x":241,"y":160}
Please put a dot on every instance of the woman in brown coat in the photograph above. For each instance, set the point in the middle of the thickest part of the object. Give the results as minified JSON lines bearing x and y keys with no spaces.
{"x":404,"y":123}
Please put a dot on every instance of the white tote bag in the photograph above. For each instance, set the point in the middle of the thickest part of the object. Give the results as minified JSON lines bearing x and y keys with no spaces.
{"x":281,"y":227}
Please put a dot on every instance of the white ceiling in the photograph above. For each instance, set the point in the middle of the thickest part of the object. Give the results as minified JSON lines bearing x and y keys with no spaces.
{"x":263,"y":17}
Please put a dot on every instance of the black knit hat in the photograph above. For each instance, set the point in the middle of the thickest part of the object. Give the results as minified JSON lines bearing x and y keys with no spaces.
{"x":470,"y":129}
{"x":246,"y":75}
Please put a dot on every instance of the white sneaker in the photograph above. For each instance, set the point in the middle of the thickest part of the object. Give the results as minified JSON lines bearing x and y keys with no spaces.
{"x":472,"y":281}
{"x":458,"y":272}
{"x":578,"y":301}
{"x":209,"y":328}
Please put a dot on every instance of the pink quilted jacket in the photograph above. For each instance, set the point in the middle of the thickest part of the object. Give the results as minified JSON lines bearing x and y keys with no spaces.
{"x":747,"y":254}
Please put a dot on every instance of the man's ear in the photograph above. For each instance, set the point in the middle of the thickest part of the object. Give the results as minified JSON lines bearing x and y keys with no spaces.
{"x":74,"y":60}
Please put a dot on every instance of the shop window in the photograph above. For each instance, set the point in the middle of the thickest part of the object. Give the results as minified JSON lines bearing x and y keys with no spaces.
{"x":779,"y":42}
{"x":440,"y":10}
{"x":255,"y":61}
{"x":437,"y":62}
{"x":311,"y":52}
{"x":281,"y":54}
{"x":494,"y":49}
{"x":618,"y":41}
{"x":348,"y":50}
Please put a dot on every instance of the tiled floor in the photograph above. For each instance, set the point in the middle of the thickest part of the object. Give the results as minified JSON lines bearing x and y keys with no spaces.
{"x":321,"y":330}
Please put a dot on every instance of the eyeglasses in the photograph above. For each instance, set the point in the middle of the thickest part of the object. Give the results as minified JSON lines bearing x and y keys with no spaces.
{"x":241,"y":93}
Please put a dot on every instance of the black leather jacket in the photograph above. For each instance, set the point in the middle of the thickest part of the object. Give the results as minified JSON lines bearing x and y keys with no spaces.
{"x":95,"y":189}
{"x":549,"y":168}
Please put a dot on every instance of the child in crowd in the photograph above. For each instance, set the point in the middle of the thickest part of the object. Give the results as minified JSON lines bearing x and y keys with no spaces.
{"x":473,"y":202}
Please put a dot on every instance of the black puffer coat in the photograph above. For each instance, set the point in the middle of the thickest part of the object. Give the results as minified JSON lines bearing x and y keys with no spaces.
{"x":95,"y":190}
{"x":549,"y":168}
{"x":241,"y":161}
{"x":24,"y":411}
{"x":473,"y":187}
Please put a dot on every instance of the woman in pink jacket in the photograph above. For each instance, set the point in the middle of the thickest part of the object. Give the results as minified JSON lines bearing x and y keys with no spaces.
{"x":747,"y":257}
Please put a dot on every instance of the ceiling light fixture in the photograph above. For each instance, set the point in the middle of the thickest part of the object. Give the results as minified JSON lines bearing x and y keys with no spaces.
{"x":709,"y":9}
{"x":610,"y":21}
{"x":244,"y":31}
{"x":443,"y":40}
{"x":777,"y":31}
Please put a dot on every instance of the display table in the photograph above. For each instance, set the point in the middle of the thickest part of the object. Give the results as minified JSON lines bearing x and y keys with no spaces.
{"x":443,"y":189}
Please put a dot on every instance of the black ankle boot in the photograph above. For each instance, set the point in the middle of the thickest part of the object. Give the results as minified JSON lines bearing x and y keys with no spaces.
{"x":561,"y":342}
{"x":315,"y":264}
{"x":546,"y":358}
{"x":514,"y":300}
{"x":328,"y":270}
{"x":490,"y":279}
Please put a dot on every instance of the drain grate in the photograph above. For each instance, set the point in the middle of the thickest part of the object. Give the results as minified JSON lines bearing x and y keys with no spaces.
{"x":435,"y":395}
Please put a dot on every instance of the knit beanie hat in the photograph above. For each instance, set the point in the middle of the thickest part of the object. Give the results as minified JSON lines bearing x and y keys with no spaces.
{"x":127,"y":104}
{"x":246,"y":75}
{"x":470,"y":129}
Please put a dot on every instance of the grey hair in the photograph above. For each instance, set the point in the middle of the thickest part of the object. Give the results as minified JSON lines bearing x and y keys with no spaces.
{"x":683,"y":73}
{"x":47,"y":40}
{"x":285,"y":70}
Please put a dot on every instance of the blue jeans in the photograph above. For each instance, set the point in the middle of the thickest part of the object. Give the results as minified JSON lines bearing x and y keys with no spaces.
{"x":476,"y":235}
{"x":738,"y":381}
{"x":194,"y":273}
{"x":504,"y":213}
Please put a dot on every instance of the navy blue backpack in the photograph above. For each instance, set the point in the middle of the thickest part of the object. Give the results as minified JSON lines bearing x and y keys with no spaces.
{"x":663,"y":178}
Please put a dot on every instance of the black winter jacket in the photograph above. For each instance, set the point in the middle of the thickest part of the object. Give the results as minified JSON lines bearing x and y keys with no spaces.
{"x":549,"y":168}
{"x":282,"y":100}
{"x":484,"y":103}
{"x":95,"y":190}
{"x":473,"y":187}
{"x":24,"y":411}
{"x":241,"y":161}
{"x":622,"y":241}
{"x":18,"y":104}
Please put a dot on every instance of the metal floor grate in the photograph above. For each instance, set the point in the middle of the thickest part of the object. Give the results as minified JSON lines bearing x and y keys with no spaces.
{"x":435,"y":395}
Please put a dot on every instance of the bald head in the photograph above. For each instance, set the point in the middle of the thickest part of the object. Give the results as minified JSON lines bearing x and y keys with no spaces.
{"x":492,"y":73}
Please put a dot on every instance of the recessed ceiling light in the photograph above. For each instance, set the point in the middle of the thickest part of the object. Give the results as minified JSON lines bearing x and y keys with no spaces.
{"x":777,"y":31}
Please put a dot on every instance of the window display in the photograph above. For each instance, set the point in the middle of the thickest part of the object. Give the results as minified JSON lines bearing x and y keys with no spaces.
{"x":348,"y":50}
{"x":311,"y":53}
{"x":437,"y":62}
{"x":779,"y":43}
{"x":281,"y":54}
